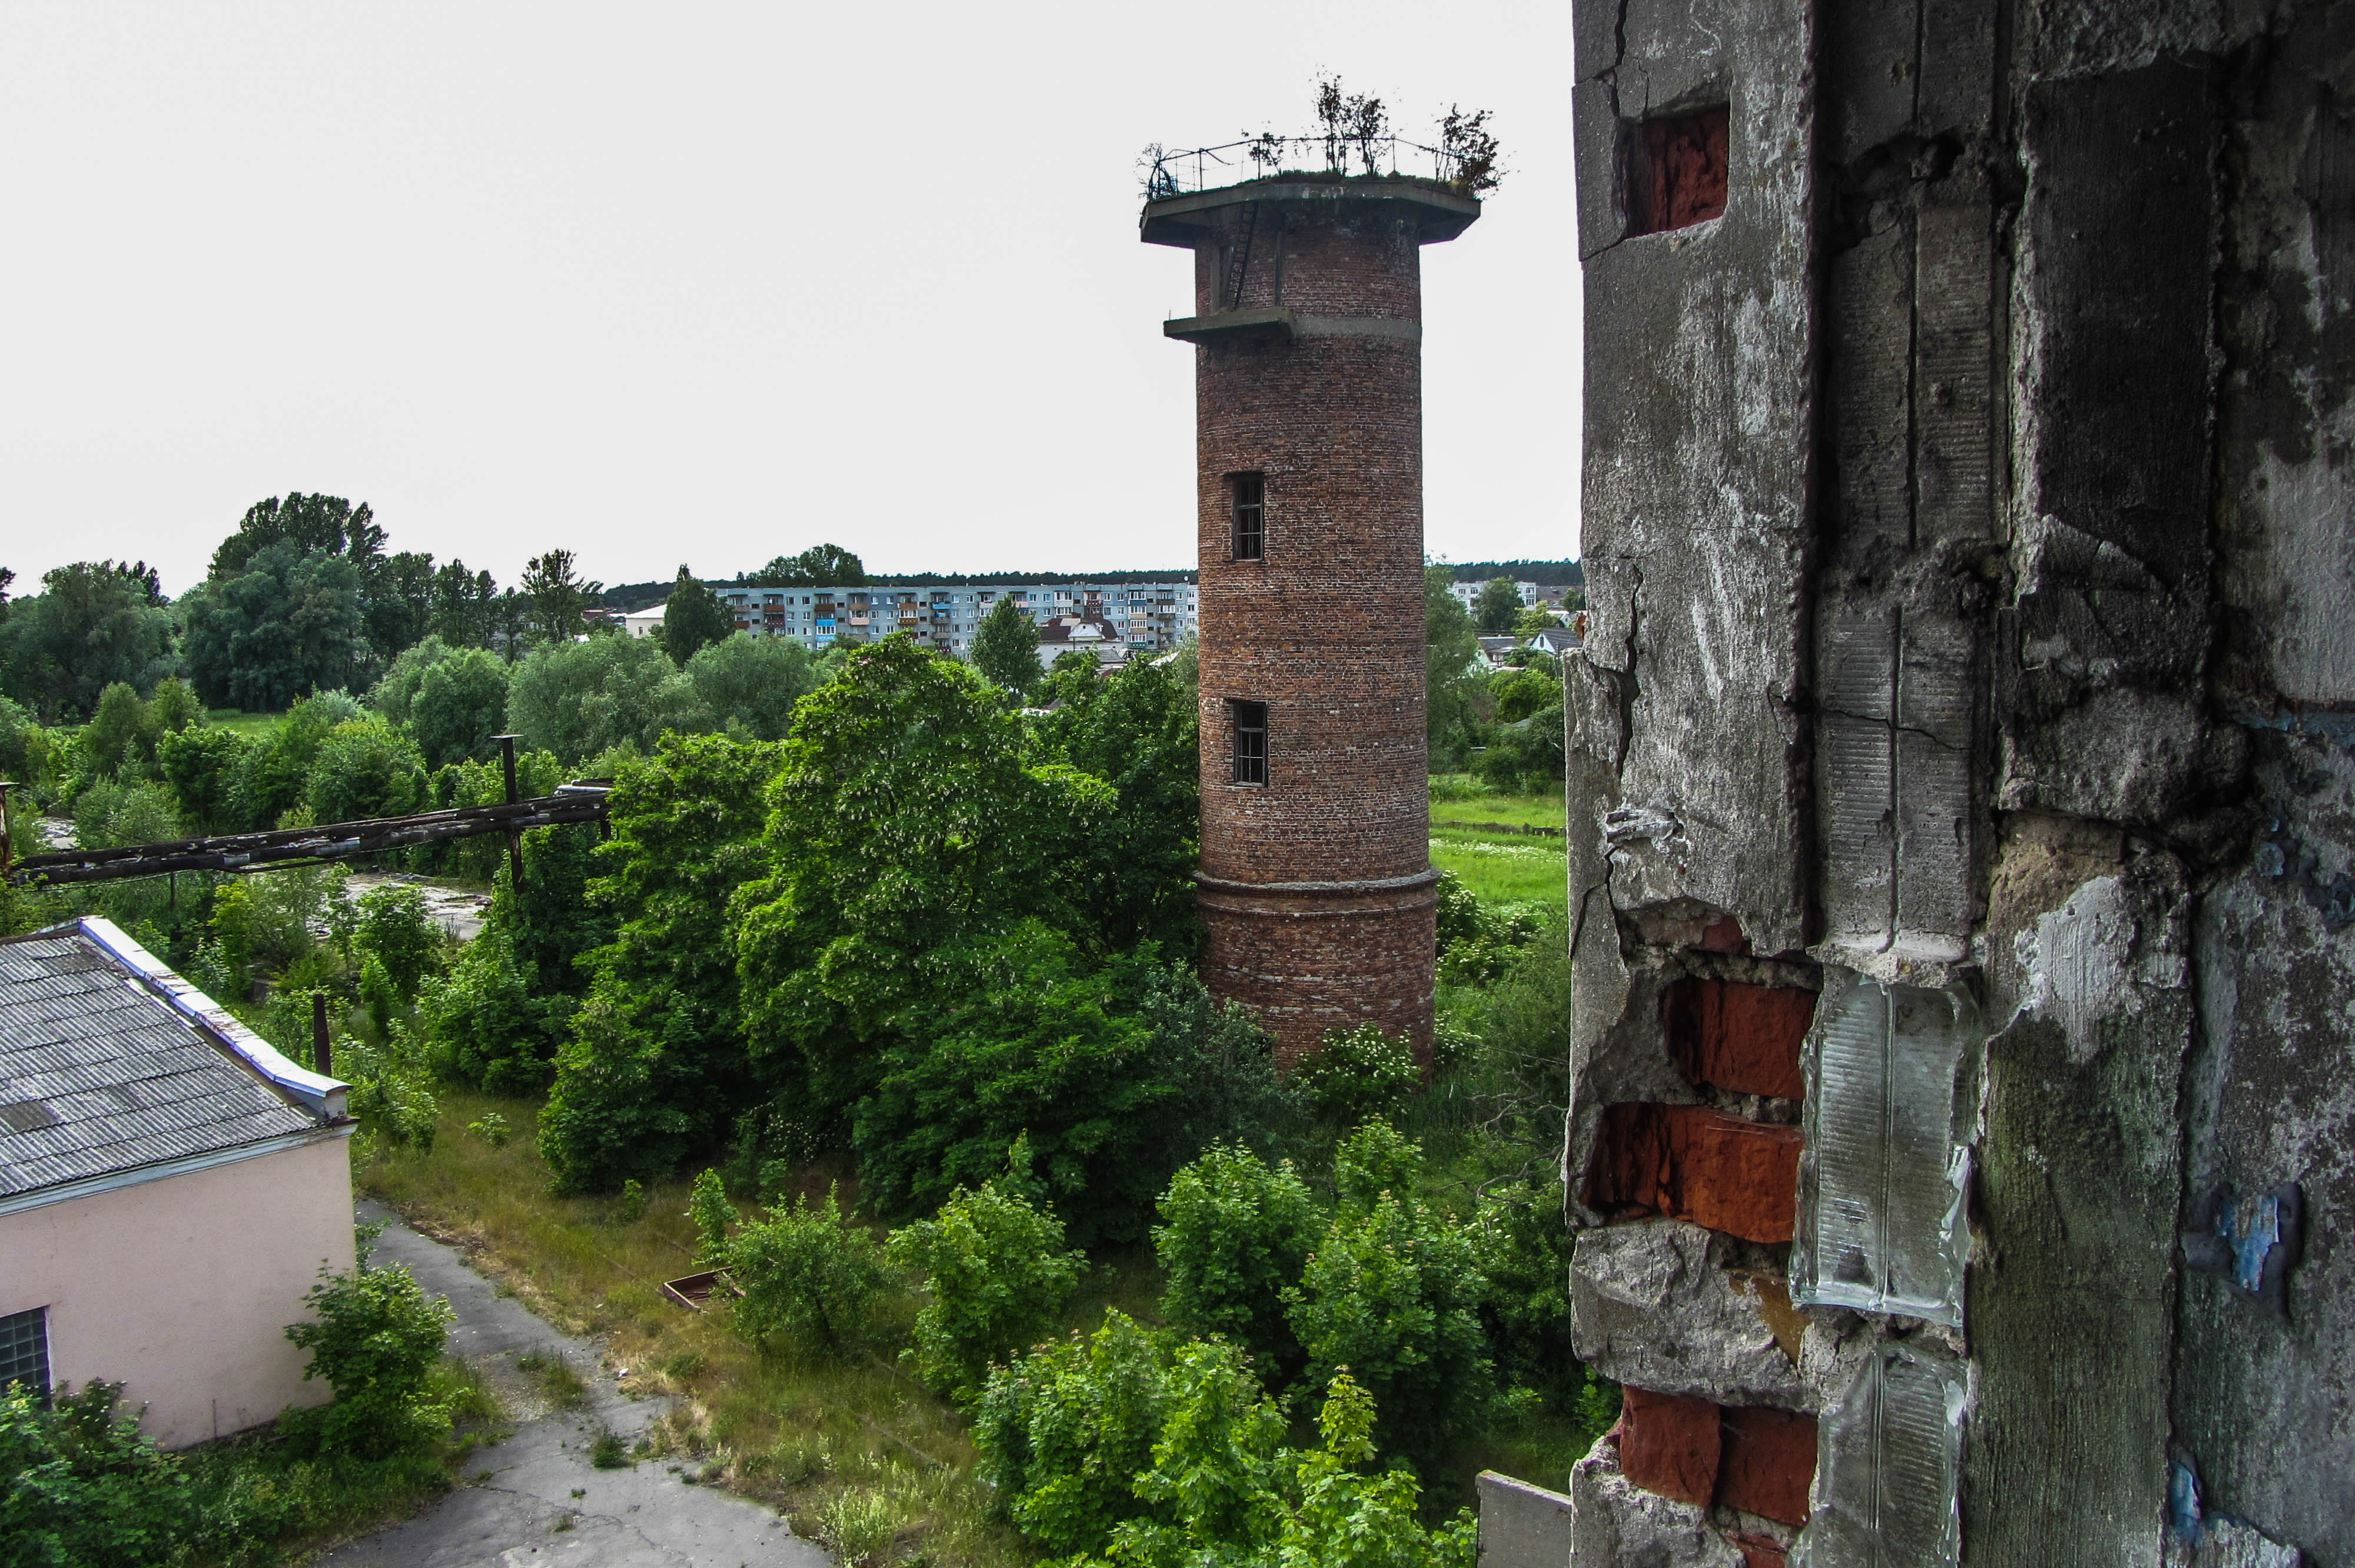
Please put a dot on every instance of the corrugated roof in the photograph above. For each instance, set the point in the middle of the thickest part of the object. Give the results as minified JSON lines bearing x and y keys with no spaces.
{"x":130,"y":1080}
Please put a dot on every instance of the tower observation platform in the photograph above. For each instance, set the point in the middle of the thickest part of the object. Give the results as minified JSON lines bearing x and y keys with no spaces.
{"x":1318,"y":899}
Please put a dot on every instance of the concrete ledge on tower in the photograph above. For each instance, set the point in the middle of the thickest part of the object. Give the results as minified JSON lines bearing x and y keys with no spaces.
{"x":1437,"y":210}
{"x":1276,"y":321}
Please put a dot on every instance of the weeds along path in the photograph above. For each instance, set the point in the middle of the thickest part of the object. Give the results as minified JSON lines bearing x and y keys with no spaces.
{"x":539,"y":1499}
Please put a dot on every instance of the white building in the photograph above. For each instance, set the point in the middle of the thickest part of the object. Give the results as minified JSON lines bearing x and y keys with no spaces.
{"x":1150,"y":615}
{"x":643,"y":622}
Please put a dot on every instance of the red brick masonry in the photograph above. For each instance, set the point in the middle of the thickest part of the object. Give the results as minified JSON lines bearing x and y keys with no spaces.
{"x":1751,"y":1457}
{"x":1742,"y":1038}
{"x":1689,"y":1163}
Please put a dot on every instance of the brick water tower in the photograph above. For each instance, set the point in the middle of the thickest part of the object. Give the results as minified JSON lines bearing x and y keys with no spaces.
{"x":1318,"y":895}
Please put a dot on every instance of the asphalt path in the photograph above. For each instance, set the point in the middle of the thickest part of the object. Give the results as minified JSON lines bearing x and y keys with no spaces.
{"x":537,"y":1501}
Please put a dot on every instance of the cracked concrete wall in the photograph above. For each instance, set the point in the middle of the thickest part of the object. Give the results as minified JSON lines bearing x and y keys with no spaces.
{"x":1969,"y":554}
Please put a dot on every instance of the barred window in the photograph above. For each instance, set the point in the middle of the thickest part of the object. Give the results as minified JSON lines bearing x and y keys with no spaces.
{"x":1250,"y":723}
{"x":1248,"y":494}
{"x":25,"y":1349}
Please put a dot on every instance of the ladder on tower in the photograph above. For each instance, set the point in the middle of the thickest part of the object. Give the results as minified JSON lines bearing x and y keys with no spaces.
{"x":1239,"y":261}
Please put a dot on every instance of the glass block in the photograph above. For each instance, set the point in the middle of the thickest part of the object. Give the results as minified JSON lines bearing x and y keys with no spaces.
{"x":1882,"y":1223}
{"x":1888,"y":1467}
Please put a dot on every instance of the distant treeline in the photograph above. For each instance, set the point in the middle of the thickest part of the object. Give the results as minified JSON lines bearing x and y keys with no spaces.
{"x":642,"y":596}
{"x":1551,"y":574}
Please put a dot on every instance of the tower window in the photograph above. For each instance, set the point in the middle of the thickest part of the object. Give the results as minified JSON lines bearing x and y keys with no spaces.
{"x":1676,"y":171}
{"x":1250,"y":722}
{"x":1248,"y":494}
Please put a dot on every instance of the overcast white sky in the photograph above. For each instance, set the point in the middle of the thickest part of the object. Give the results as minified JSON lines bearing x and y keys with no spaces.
{"x":707,"y":282}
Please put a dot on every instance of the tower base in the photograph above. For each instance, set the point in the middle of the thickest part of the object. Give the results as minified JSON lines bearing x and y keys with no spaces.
{"x":1312,"y":956}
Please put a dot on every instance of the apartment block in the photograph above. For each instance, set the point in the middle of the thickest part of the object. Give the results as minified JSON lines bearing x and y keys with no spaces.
{"x":1149,"y":616}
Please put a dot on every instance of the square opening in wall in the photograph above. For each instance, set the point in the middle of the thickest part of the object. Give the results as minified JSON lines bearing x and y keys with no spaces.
{"x":1676,"y":171}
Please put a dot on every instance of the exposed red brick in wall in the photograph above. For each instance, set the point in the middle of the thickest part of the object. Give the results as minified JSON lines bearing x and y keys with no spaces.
{"x":1743,"y":1038}
{"x":1676,"y":171}
{"x":1689,"y":1163}
{"x":1670,"y":1444}
{"x":1326,"y":629}
{"x":1767,"y":1462}
{"x":1757,"y":1552}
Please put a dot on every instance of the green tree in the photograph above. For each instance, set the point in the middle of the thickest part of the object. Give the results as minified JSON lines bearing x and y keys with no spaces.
{"x":577,"y":699}
{"x":464,"y":606}
{"x":694,"y":617}
{"x":1066,"y":1431}
{"x":398,"y":594}
{"x":460,"y":703}
{"x":995,"y":1276}
{"x":201,"y":766}
{"x":656,"y":1054}
{"x":92,"y":624}
{"x":511,"y":996}
{"x":1356,"y":1073}
{"x":311,"y":524}
{"x":751,"y":685}
{"x":1137,"y":731}
{"x":1235,"y":1234}
{"x":1047,"y":1052}
{"x":396,"y":689}
{"x":1455,"y":699}
{"x":110,"y":740}
{"x":1532,"y":620}
{"x":820,"y":565}
{"x":288,"y":622}
{"x":364,"y":769}
{"x":1529,"y":757}
{"x":559,"y":596}
{"x":1005,"y":648}
{"x":909,"y":839}
{"x":1520,"y":693}
{"x":1498,"y":607}
{"x":510,"y":615}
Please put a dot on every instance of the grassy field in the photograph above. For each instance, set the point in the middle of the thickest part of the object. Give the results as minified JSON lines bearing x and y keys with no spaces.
{"x":252,"y":727}
{"x":1515,"y":810}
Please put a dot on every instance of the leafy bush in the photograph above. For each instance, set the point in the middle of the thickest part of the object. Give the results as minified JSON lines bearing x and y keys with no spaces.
{"x":1235,"y":1234}
{"x":1478,"y":940}
{"x":274,"y":777}
{"x":510,"y":997}
{"x":262,"y":924}
{"x":1527,"y":757}
{"x":201,"y":764}
{"x":714,"y":1217}
{"x":394,"y":929}
{"x":375,"y":1338}
{"x":1392,"y":1294}
{"x":1526,"y":690}
{"x":1124,"y":1450}
{"x":995,"y":1274}
{"x":1358,"y":1071}
{"x":80,"y":1485}
{"x":364,"y":769}
{"x":806,"y":1271}
{"x":1065,"y":1431}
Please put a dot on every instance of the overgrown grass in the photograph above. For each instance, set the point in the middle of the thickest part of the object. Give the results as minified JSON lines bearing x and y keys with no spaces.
{"x":1506,"y":868}
{"x":293,"y":1507}
{"x":850,"y":1447}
